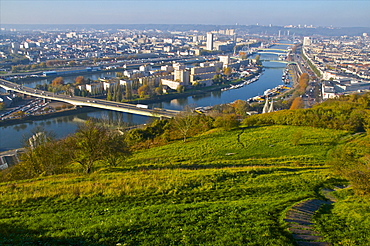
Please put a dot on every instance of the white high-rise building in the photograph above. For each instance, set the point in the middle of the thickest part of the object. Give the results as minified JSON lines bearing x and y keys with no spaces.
{"x":209,"y":41}
{"x":306,"y":41}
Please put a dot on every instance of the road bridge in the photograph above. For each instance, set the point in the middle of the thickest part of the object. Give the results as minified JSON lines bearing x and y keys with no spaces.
{"x":89,"y":102}
{"x":271,"y":52}
{"x":281,"y":61}
{"x":281,"y":44}
{"x":272,"y":49}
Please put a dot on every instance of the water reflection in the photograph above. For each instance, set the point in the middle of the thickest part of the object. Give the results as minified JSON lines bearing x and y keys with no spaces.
{"x":201,"y":96}
{"x":216,"y":94}
{"x":11,"y":137}
{"x":20,"y":127}
{"x":179,"y":102}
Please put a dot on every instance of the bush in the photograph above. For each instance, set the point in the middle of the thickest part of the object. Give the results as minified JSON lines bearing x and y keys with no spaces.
{"x":227,"y":121}
{"x":341,"y":114}
{"x":352,"y":161}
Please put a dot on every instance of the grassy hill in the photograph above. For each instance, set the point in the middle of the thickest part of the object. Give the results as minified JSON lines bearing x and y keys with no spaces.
{"x":219,"y":188}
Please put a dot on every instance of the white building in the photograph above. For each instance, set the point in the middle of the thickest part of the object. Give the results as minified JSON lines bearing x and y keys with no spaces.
{"x":167,"y":68}
{"x":172,"y":84}
{"x":108,"y":84}
{"x":95,"y":88}
{"x":178,"y":66}
{"x":145,"y":68}
{"x":182,"y":76}
{"x":328,"y":90}
{"x":225,"y":60}
{"x":209,"y":41}
{"x":306,"y":41}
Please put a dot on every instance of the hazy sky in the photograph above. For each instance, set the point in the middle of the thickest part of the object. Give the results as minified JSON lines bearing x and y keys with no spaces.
{"x":246,"y":12}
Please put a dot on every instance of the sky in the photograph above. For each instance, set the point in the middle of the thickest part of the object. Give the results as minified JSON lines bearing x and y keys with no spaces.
{"x":351,"y":13}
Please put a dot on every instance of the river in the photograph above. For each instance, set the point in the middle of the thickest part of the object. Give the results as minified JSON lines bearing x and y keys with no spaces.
{"x":12,"y":137}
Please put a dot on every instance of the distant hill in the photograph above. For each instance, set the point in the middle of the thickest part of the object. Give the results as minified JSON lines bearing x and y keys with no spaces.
{"x":251,"y":29}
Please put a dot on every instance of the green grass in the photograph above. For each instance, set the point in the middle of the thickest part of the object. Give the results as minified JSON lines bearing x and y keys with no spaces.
{"x":257,"y":146}
{"x":193,"y":193}
{"x":347,"y":221}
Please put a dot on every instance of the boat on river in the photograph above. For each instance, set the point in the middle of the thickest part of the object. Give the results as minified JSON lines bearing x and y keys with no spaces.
{"x":244,"y":82}
{"x":268,"y":93}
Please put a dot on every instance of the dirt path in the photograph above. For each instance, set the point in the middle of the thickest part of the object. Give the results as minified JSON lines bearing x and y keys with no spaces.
{"x":299,"y":219}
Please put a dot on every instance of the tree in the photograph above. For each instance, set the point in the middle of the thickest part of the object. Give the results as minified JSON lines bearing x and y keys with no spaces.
{"x":354,"y":165}
{"x":183,"y":122}
{"x":47,"y":158}
{"x":2,"y":106}
{"x":15,"y":69}
{"x":241,"y":107}
{"x":92,"y":143}
{"x":87,"y":145}
{"x":218,"y":79}
{"x":159,"y":90}
{"x":258,"y":60}
{"x":44,"y":155}
{"x":80,"y":80}
{"x":227,"y":121}
{"x":180,"y":89}
{"x":143,"y":91}
{"x":115,"y":148}
{"x":367,"y":122}
{"x":57,"y":81}
{"x":303,"y":83}
{"x":228,"y":71}
{"x":128,"y":93}
{"x":297,"y":103}
{"x":117,"y":93}
{"x":109,"y":95}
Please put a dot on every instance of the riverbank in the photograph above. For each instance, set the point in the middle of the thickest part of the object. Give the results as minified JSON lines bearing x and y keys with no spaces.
{"x":194,"y":92}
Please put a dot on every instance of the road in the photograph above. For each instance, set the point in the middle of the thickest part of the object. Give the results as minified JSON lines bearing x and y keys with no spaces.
{"x":312,"y":94}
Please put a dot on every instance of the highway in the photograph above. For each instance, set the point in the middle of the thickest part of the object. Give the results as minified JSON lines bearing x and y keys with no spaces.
{"x":312,"y":94}
{"x":89,"y":102}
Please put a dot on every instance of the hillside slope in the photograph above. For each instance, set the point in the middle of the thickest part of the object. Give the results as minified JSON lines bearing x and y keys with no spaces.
{"x":220,"y":188}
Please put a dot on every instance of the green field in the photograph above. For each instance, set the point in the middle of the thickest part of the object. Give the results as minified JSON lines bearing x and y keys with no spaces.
{"x":219,"y":188}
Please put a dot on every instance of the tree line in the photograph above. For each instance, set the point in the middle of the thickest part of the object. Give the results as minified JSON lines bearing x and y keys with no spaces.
{"x":349,"y":113}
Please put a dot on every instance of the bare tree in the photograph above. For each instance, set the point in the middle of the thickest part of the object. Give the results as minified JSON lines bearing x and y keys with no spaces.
{"x":184,"y":122}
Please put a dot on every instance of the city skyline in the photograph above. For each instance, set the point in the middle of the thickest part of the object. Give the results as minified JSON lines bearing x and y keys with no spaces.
{"x":282,"y":13}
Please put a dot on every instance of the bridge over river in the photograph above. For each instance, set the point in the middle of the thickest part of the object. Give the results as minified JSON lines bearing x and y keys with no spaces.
{"x":89,"y":102}
{"x":280,"y":61}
